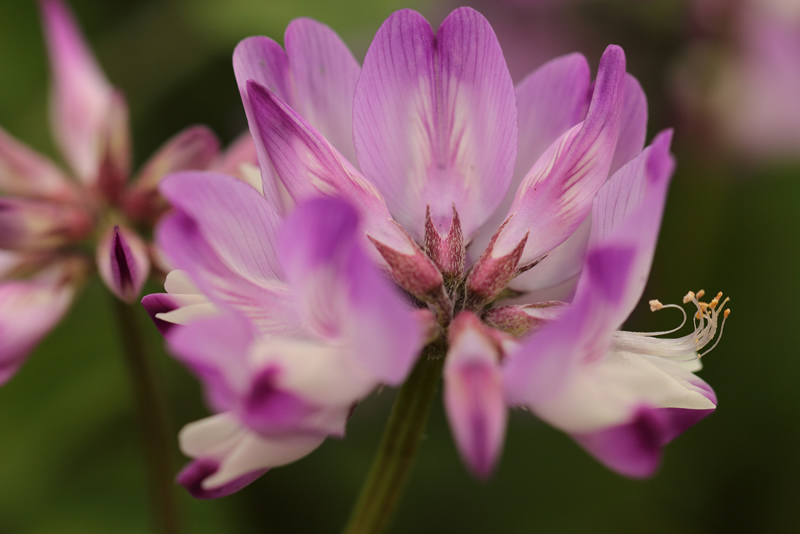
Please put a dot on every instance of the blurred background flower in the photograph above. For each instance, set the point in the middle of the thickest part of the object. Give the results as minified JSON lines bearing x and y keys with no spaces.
{"x":70,"y":459}
{"x":739,"y":81}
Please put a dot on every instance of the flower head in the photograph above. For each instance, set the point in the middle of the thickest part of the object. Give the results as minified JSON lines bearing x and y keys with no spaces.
{"x":47,"y":215}
{"x":287,"y":333}
{"x":469,"y":191}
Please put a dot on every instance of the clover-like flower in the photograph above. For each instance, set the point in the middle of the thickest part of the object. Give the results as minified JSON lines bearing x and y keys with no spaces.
{"x":46,"y":216}
{"x":298,"y":325}
{"x":470,"y":192}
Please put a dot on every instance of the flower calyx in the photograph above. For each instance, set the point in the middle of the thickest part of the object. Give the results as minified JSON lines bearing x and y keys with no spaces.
{"x":490,"y":275}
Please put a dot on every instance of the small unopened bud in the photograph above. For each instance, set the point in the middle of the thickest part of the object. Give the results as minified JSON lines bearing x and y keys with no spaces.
{"x":123,"y":262}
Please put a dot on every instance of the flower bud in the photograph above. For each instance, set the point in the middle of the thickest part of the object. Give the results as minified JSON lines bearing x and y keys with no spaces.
{"x":123,"y":262}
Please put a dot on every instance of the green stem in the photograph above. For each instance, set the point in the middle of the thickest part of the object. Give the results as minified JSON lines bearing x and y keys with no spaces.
{"x":153,"y":422}
{"x":401,"y":438}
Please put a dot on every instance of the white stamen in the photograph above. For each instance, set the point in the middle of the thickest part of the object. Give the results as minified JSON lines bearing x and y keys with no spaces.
{"x":685,"y":348}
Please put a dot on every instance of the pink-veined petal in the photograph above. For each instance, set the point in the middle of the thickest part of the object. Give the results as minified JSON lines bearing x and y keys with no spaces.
{"x":473,"y":395}
{"x":556,"y":195}
{"x":263,"y":60}
{"x":308,"y":166}
{"x":434,"y":120}
{"x":268,"y":304}
{"x":550,"y":101}
{"x":324,"y":73}
{"x":81,"y":94}
{"x":235,"y":220}
{"x":344,"y":297}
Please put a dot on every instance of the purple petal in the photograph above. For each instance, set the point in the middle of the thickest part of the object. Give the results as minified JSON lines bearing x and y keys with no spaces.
{"x":192,"y":476}
{"x":278,"y":403}
{"x":634,"y":449}
{"x":343,"y":294}
{"x":545,"y":362}
{"x":434,"y":119}
{"x":28,"y":311}
{"x":555,"y":196}
{"x":627,"y":213}
{"x":233,"y":218}
{"x":192,"y":149}
{"x":309,"y":166}
{"x":158,"y":303}
{"x":216,"y":350}
{"x":606,"y":392}
{"x":81,"y":94}
{"x":263,"y":60}
{"x":23,"y":172}
{"x":324,"y":72}
{"x":123,"y":262}
{"x":268,"y":408}
{"x":473,"y":395}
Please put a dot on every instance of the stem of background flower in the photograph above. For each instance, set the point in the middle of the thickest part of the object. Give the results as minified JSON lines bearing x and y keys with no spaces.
{"x":153,"y":421}
{"x":401,"y":438}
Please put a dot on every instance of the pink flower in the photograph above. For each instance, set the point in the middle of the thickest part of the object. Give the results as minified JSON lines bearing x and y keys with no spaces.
{"x":287,"y":332}
{"x":740,"y":80}
{"x":468,"y":190}
{"x":45,"y":214}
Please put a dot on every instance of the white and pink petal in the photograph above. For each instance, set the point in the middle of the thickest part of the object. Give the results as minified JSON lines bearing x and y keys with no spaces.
{"x":228,"y":457}
{"x":473,"y":394}
{"x":342,"y":294}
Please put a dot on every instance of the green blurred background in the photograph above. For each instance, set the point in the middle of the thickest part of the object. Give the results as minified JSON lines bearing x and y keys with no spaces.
{"x":69,"y":453}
